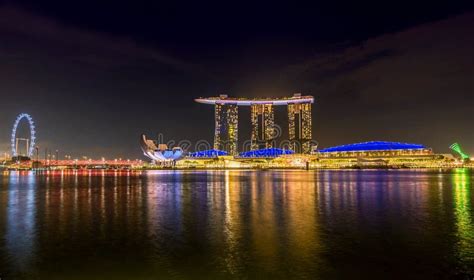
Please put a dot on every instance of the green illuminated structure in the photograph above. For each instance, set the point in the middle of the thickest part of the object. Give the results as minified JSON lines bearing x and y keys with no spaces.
{"x":457,"y":148}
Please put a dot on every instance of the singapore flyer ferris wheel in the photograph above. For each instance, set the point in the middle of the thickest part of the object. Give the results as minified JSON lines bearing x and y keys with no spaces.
{"x":30,"y":142}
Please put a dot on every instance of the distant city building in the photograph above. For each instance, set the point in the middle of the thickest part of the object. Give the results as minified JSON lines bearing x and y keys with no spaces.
{"x":262,"y":121}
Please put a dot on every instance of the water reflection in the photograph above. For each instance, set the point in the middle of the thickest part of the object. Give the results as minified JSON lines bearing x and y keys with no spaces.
{"x":236,"y":224}
{"x":20,"y":220}
{"x":464,"y":215}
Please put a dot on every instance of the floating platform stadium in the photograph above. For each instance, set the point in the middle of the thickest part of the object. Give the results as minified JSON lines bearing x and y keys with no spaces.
{"x":300,"y":151}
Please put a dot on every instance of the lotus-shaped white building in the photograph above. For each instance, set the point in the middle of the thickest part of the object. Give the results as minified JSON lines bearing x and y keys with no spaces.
{"x":160,"y":152}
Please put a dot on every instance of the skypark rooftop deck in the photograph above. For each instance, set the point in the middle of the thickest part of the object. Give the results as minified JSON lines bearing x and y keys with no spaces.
{"x":224,"y":99}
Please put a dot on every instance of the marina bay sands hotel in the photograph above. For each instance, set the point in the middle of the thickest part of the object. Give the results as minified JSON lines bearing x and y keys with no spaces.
{"x":262,"y":118}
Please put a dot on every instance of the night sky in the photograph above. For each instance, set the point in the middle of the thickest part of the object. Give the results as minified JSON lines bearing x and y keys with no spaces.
{"x":94,"y":76}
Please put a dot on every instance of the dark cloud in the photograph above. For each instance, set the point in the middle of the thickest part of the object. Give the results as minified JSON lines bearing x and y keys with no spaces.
{"x":25,"y":30}
{"x":414,"y":85}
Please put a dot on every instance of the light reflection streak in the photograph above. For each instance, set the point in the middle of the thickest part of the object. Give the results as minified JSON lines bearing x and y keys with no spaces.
{"x":232,"y":224}
{"x":463,"y":211}
{"x":264,"y":227}
{"x":21,"y":227}
{"x":302,"y":216}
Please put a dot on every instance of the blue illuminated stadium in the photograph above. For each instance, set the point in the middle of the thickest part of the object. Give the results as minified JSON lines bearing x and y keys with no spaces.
{"x":373,"y":146}
{"x":208,"y":154}
{"x":266,"y":153}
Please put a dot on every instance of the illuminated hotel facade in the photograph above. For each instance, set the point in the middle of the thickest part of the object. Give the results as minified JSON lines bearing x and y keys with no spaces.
{"x":299,"y":122}
{"x":262,"y":119}
{"x":226,"y":133}
{"x":263,"y":126}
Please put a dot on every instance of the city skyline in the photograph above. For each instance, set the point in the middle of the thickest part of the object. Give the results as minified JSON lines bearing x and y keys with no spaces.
{"x":236,"y":140}
{"x":92,"y":90}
